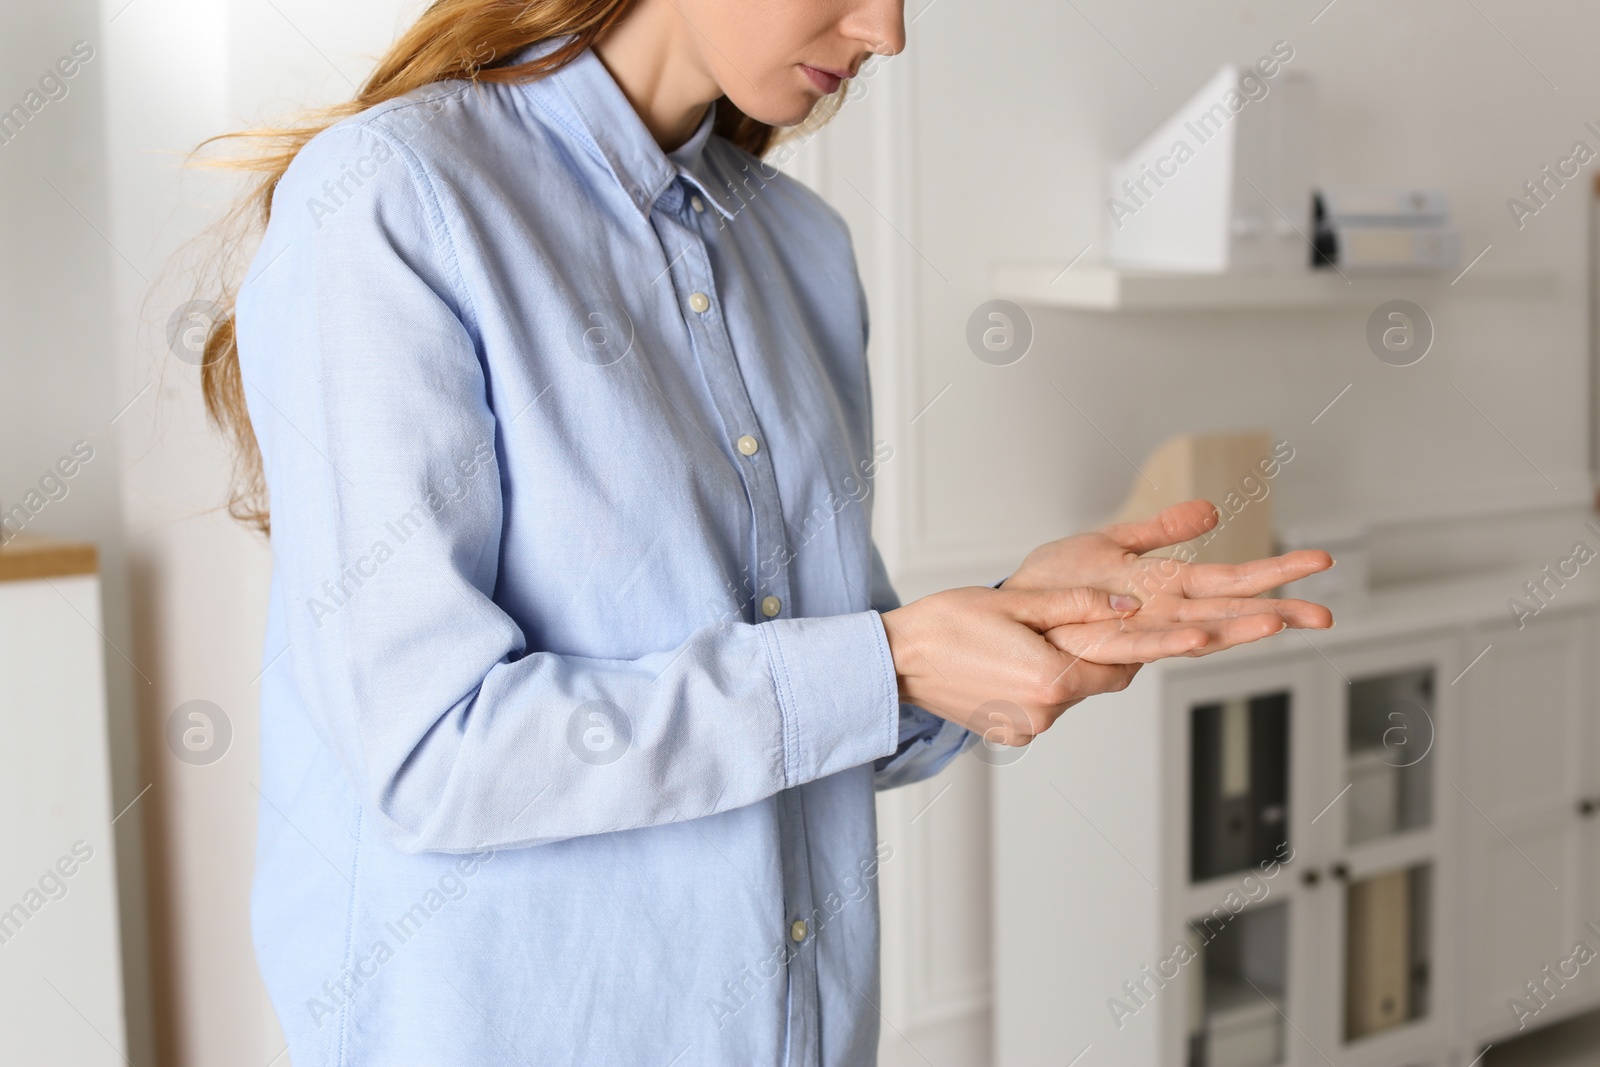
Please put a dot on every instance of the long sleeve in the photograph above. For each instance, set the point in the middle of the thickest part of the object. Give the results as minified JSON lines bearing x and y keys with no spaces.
{"x":926,"y":742}
{"x":362,"y":364}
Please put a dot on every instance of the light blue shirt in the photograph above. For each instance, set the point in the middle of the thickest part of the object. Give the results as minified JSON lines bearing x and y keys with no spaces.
{"x":576,"y":691}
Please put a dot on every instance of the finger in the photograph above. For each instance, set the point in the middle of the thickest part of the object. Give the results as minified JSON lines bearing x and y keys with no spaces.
{"x":1043,"y":609}
{"x":1255,"y":577}
{"x":1231,"y":633}
{"x":1095,"y":641}
{"x":1111,"y":642}
{"x":1169,"y":526}
{"x":1301,"y":614}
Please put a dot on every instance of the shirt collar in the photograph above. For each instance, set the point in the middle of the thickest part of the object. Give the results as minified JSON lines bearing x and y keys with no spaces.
{"x":584,"y":99}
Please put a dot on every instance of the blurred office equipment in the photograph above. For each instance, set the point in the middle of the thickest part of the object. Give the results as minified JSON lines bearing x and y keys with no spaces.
{"x":1379,"y":946}
{"x":1382,"y":229}
{"x":1238,"y":777}
{"x":1225,"y":183}
{"x":58,"y":911}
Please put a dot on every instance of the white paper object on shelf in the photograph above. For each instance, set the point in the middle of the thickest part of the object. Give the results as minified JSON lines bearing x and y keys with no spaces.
{"x":1225,"y":183}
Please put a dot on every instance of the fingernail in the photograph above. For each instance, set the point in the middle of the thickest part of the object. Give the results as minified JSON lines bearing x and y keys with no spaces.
{"x":1123,"y":603}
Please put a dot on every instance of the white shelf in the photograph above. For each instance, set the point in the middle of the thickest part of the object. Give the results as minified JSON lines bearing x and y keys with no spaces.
{"x":1095,"y":287}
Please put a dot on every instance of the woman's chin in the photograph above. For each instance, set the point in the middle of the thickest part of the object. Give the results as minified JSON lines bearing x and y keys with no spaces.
{"x":789,"y":110}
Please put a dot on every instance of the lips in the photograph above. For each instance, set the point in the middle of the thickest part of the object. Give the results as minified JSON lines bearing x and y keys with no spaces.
{"x":826,"y":81}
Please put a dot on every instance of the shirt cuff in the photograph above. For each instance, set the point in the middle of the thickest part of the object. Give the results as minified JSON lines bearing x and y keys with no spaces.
{"x":837,"y":691}
{"x":927,"y":745}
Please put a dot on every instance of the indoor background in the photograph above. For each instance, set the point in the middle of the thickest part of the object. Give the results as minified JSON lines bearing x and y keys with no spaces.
{"x":1029,"y":898}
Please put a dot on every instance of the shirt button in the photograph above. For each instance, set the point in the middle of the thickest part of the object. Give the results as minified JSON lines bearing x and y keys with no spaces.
{"x":696,"y":203}
{"x":699,"y":302}
{"x":797,"y":929}
{"x":770,"y":606}
{"x":748,"y":445}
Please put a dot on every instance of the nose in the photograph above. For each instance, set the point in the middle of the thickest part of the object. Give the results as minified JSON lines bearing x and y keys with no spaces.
{"x":879,"y":24}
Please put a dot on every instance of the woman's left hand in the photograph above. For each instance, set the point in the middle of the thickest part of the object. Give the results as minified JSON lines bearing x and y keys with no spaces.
{"x":1217,"y":597}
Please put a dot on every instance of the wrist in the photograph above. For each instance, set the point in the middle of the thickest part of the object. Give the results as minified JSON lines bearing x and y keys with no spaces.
{"x":894,"y":637}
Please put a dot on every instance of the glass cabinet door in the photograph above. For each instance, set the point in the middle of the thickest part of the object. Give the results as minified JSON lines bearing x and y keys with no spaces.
{"x":1379,"y":837}
{"x":1239,"y":987}
{"x":1238,"y":783}
{"x":1389,"y":735}
{"x":1241,"y":801}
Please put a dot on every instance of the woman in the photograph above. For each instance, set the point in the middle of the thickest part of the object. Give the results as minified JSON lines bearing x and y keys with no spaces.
{"x":581,"y":665}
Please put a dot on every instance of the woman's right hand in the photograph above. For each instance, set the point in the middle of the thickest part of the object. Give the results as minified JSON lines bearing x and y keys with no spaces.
{"x":963,"y":653}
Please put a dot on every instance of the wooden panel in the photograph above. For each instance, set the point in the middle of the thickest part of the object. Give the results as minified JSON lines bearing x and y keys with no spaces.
{"x":28,"y":558}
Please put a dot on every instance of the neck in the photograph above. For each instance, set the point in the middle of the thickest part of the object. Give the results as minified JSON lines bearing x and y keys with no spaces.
{"x":653,"y":57}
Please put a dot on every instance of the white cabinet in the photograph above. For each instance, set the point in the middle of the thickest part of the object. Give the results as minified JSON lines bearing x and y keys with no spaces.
{"x":60,"y":971}
{"x":1348,"y":848}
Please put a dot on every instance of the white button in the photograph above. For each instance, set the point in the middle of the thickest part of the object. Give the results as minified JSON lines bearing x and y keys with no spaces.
{"x":696,"y":203}
{"x":770,"y":606}
{"x":699,"y":301}
{"x":797,"y":930}
{"x":748,"y":445}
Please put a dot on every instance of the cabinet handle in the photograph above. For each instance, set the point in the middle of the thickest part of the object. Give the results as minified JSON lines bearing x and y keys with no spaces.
{"x":1340,"y":871}
{"x":1587,"y":807}
{"x":1311,"y":877}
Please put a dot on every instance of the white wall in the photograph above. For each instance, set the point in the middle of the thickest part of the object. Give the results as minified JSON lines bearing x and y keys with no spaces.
{"x":60,"y":384}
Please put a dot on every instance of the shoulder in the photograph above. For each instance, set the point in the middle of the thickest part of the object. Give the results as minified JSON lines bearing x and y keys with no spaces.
{"x":445,"y":136}
{"x":419,"y":128}
{"x":364,"y":191}
{"x":367,"y":159}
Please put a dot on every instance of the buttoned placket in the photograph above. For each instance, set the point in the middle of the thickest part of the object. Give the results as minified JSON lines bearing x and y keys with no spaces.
{"x":680,"y":228}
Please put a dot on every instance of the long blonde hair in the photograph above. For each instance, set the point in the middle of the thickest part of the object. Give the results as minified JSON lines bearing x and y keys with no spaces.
{"x":452,"y":39}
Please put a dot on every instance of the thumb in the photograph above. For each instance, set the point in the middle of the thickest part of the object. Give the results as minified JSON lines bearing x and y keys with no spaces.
{"x":1045,"y":609}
